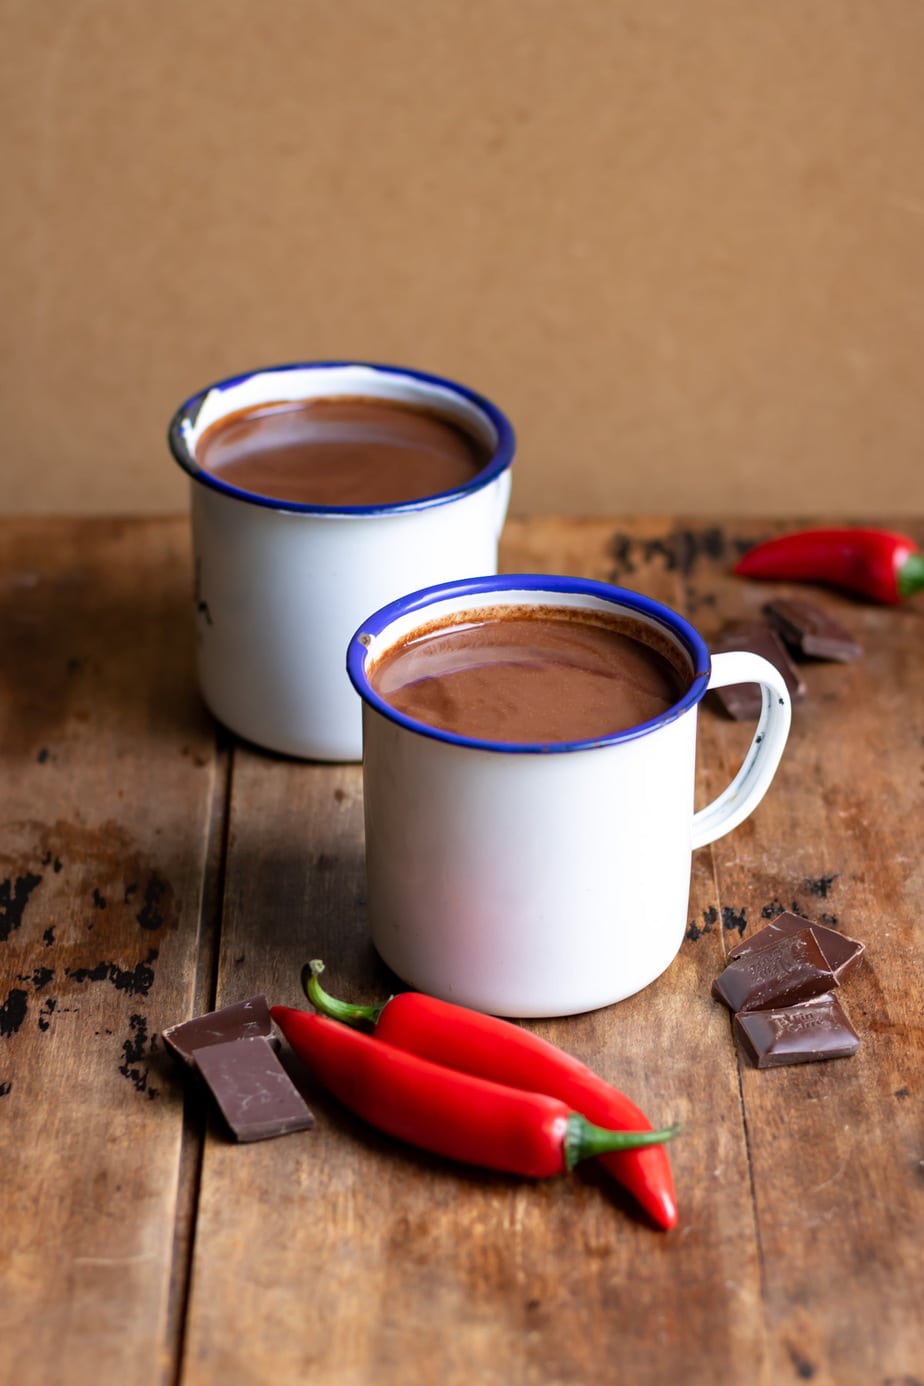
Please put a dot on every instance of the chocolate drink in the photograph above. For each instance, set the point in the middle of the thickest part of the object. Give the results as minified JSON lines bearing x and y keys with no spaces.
{"x":341,"y":451}
{"x":531,"y":675}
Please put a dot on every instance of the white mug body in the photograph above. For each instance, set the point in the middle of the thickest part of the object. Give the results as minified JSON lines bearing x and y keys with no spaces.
{"x":546,"y":880}
{"x":280,"y":587}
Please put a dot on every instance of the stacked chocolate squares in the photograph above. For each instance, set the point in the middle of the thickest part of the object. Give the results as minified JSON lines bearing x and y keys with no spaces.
{"x":236,"y":1053}
{"x":781,"y":986}
{"x":791,"y":629}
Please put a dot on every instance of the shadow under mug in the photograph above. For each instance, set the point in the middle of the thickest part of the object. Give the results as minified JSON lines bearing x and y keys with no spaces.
{"x":543,"y":880}
{"x":280,"y":586}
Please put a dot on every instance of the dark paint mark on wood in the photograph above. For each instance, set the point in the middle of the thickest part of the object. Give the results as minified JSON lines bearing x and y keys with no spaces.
{"x":156,"y":892}
{"x":39,"y":978}
{"x":804,"y":1369}
{"x":136,"y":981}
{"x":734,"y":920}
{"x":135,"y":1051}
{"x":902,"y":1093}
{"x":13,"y":1012}
{"x":5,"y":1088}
{"x":775,"y":907}
{"x":99,"y":900}
{"x":48,"y":937}
{"x":820,"y":886}
{"x":46,"y":1010}
{"x":14,"y":896}
{"x":679,"y":551}
{"x":42,"y":755}
{"x":620,"y":551}
{"x":683,"y":549}
{"x":696,"y":931}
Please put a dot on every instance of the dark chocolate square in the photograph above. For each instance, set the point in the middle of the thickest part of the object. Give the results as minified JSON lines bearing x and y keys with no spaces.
{"x":802,"y":1034}
{"x":255,"y":1094}
{"x":240,"y":1020}
{"x":791,"y":970}
{"x":811,"y":630}
{"x":842,"y":953}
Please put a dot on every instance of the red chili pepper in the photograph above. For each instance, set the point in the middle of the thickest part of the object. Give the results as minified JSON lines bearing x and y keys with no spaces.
{"x":872,"y":562}
{"x":505,"y":1053}
{"x":445,"y":1111}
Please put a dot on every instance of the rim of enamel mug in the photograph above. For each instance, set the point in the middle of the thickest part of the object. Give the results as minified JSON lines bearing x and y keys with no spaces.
{"x":501,"y":459}
{"x":358,"y":652}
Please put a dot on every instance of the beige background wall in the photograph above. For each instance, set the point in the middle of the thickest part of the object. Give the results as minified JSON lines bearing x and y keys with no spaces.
{"x":682,"y":243}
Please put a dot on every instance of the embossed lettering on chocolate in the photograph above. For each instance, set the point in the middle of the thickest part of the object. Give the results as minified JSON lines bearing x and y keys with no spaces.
{"x":530,"y":675}
{"x":341,"y":450}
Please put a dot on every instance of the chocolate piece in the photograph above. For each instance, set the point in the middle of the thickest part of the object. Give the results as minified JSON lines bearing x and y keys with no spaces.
{"x":818,"y":1029}
{"x":841,"y":952}
{"x":791,"y":970}
{"x":743,"y":700}
{"x":241,"y":1020}
{"x":811,"y":630}
{"x":257,"y":1097}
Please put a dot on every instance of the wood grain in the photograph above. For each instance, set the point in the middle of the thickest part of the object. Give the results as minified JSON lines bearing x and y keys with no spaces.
{"x":836,"y":1149}
{"x":107,"y":787}
{"x":153,"y":867}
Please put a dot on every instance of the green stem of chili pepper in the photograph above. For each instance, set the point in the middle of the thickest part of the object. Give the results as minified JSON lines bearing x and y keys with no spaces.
{"x":910,"y":577}
{"x":583,"y":1140}
{"x":330,"y":1005}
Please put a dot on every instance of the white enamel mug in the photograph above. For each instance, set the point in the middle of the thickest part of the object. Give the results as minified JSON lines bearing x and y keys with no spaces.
{"x":543,"y":880}
{"x":280,"y":586}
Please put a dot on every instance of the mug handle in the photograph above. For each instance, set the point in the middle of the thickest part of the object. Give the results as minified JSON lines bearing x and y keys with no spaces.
{"x":752,"y":781}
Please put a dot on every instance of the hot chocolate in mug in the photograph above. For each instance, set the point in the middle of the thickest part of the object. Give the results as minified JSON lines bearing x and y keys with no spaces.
{"x":545,"y":876}
{"x":318,"y":492}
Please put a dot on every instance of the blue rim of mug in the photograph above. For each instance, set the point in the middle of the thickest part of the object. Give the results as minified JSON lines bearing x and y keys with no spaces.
{"x":501,"y":458}
{"x":671,"y":621}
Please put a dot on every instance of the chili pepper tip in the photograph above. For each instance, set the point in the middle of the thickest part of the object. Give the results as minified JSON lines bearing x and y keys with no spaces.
{"x":662,"y":1205}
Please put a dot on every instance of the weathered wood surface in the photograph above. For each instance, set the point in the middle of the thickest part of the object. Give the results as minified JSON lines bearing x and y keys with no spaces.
{"x":109,"y":771}
{"x":151,"y":867}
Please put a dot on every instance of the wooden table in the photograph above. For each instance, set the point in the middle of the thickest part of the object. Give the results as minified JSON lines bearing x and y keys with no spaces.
{"x":153,"y":868}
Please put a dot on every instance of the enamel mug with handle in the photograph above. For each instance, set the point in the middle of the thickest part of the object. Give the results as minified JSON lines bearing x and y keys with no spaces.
{"x":542,"y":880}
